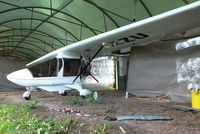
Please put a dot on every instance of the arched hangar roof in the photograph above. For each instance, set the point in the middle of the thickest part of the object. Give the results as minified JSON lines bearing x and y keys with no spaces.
{"x":32,"y":28}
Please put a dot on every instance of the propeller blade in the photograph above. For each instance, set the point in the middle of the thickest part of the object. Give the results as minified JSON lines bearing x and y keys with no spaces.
{"x":82,"y":70}
{"x":94,"y":78}
{"x":88,"y":72}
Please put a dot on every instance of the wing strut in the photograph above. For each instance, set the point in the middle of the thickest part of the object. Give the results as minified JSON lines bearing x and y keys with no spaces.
{"x":82,"y":70}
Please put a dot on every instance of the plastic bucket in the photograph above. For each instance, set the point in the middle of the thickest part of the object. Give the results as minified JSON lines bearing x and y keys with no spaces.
{"x":195,"y":99}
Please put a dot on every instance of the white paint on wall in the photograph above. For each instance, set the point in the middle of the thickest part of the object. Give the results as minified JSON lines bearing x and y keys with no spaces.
{"x":188,"y":71}
{"x":104,"y":70}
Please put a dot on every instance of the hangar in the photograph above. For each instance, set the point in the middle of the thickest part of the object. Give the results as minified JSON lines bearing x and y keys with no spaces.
{"x":151,"y":52}
{"x":31,"y":29}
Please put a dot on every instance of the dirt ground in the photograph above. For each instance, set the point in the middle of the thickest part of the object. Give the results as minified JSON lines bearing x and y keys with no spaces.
{"x":112,"y":104}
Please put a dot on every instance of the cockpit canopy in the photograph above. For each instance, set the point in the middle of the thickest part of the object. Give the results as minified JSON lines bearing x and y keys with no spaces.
{"x":53,"y":66}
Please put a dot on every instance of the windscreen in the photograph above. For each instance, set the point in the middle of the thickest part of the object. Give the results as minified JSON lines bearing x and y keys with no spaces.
{"x":45,"y":69}
{"x":52,"y":67}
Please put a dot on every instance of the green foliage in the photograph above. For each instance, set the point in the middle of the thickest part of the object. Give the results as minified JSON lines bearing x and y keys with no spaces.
{"x":18,"y":119}
{"x":75,"y":101}
{"x":102,"y":128}
{"x":31,"y":106}
{"x":36,"y":101}
{"x":81,"y":124}
{"x":91,"y":98}
{"x":65,"y":102}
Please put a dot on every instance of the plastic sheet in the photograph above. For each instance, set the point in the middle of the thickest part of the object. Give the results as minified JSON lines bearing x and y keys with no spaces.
{"x":159,"y":70}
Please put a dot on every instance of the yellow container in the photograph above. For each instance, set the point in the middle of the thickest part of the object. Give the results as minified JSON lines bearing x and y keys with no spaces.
{"x":195,"y":99}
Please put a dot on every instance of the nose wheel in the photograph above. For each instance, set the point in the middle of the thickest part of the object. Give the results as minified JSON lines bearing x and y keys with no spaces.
{"x":27,"y":95}
{"x":63,"y":93}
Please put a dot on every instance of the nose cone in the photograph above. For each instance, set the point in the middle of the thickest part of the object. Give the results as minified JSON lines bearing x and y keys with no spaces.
{"x":19,"y":76}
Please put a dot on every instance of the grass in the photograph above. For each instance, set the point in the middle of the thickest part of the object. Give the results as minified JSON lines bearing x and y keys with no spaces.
{"x":31,"y":106}
{"x":19,"y":120}
{"x":102,"y":128}
{"x":73,"y":101}
{"x":93,"y":99}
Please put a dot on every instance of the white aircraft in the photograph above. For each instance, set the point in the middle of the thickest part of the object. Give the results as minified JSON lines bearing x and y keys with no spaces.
{"x":140,"y":33}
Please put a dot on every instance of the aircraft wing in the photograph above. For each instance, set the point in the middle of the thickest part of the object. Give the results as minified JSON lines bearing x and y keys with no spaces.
{"x":136,"y":34}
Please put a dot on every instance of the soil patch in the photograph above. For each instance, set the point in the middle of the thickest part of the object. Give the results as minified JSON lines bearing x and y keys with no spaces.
{"x":113,"y":103}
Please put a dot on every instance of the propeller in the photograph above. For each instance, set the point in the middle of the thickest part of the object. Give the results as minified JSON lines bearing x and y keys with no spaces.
{"x":84,"y":69}
{"x":87,"y":72}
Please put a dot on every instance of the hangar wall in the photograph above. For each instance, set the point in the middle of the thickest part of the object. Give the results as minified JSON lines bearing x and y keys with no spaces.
{"x":153,"y":71}
{"x":7,"y":66}
{"x":103,"y":69}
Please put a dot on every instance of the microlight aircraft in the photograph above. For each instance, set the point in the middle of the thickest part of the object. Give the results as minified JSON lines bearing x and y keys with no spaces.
{"x":69,"y":70}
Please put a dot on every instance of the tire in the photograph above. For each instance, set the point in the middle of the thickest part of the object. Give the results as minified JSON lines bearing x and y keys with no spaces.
{"x":64,"y":94}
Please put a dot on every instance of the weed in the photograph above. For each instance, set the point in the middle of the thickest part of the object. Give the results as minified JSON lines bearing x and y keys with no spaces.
{"x":34,"y":105}
{"x":65,"y":102}
{"x":18,"y":119}
{"x":31,"y":106}
{"x":81,"y":124}
{"x":102,"y":128}
{"x":93,"y":99}
{"x":75,"y":101}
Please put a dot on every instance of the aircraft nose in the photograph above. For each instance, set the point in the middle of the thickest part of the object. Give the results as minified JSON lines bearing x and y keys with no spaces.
{"x":19,"y":75}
